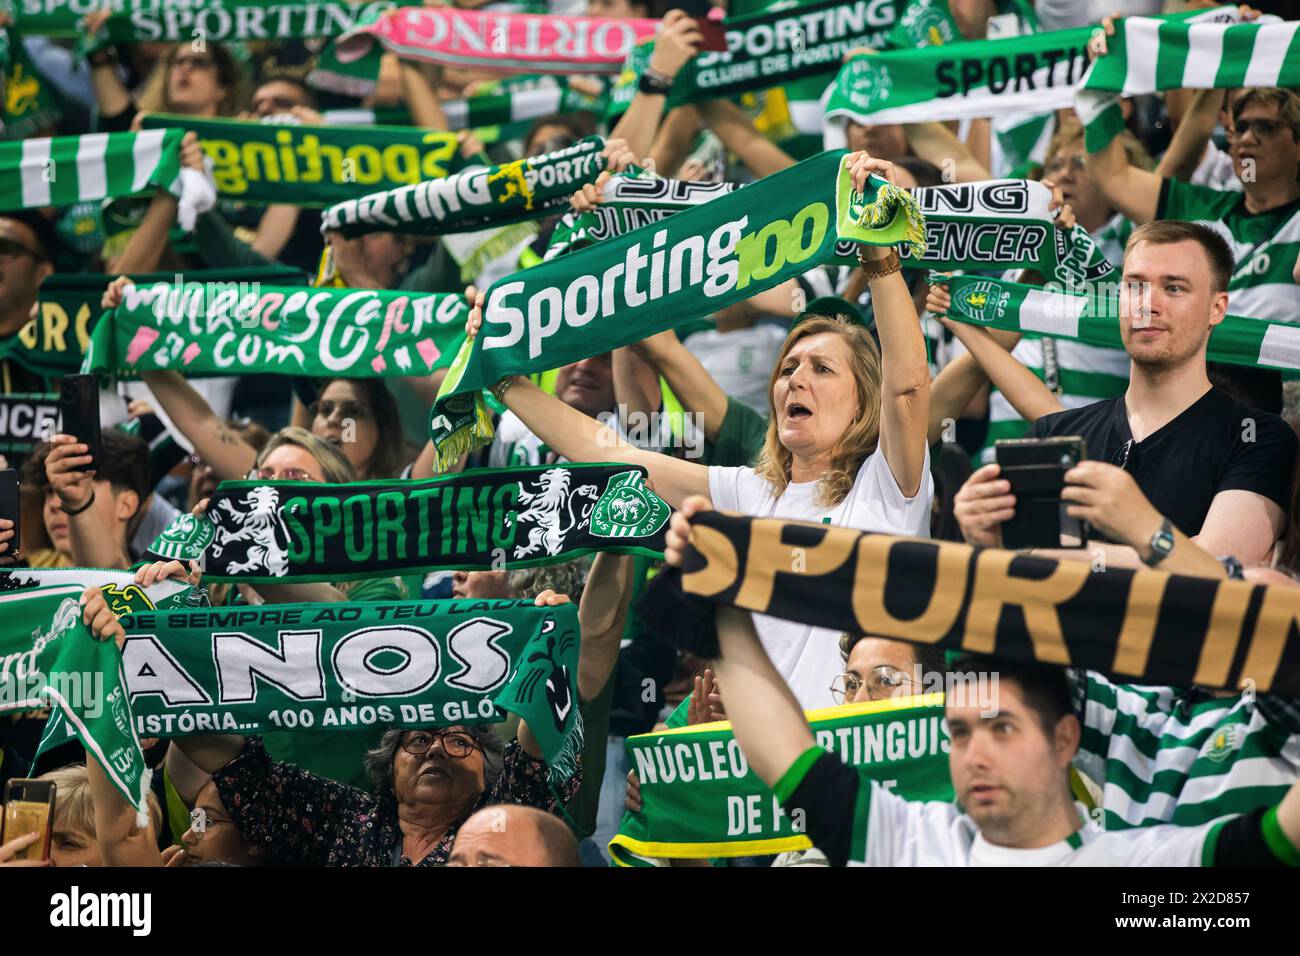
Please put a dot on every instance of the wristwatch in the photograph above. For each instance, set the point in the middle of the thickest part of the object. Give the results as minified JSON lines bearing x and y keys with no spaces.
{"x":1162,"y":544}
{"x":654,"y":83}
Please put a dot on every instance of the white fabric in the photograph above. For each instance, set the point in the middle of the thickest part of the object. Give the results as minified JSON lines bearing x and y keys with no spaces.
{"x":740,"y":361}
{"x":906,"y":833}
{"x":809,"y":657}
{"x":1215,"y":170}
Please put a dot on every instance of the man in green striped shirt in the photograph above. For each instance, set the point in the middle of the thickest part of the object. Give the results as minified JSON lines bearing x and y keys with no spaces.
{"x":1187,"y":757}
{"x":1261,"y":224}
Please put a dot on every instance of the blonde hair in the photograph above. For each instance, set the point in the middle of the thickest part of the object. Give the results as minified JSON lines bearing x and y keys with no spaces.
{"x":333,"y":463}
{"x":74,"y":805}
{"x":863,"y":434}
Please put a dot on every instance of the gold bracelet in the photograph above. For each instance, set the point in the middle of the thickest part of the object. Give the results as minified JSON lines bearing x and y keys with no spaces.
{"x":879,"y":268}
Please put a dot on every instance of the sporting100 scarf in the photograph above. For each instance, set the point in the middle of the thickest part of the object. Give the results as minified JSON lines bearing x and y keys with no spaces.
{"x":701,"y":800}
{"x":688,"y":266}
{"x":486,"y":519}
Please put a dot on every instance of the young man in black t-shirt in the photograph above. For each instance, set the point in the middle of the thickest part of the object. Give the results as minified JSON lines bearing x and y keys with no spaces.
{"x":1172,"y":458}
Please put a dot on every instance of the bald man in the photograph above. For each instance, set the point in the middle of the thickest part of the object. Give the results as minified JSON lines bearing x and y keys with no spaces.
{"x":508,"y":835}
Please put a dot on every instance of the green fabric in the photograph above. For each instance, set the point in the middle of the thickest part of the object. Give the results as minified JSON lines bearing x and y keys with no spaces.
{"x":701,"y":799}
{"x":1148,"y":54}
{"x":66,"y":170}
{"x":740,"y":437}
{"x":480,"y":197}
{"x":1094,"y":320}
{"x":762,"y":51}
{"x":48,"y":658}
{"x":1278,"y":842}
{"x":232,"y":328}
{"x":585,"y":805}
{"x":784,"y":788}
{"x":1034,"y":72}
{"x":1264,"y":246}
{"x":334,"y":754}
{"x":314,"y":166}
{"x":261,"y":531}
{"x":232,"y":21}
{"x":699,"y":260}
{"x":31,"y":104}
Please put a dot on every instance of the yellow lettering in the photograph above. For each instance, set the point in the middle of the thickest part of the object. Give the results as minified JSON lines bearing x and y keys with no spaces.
{"x":1278,"y":617}
{"x":996,"y":588}
{"x":769,"y":555}
{"x":1140,"y":616}
{"x":719,"y":571}
{"x":1221,"y":637}
{"x":939,"y":615}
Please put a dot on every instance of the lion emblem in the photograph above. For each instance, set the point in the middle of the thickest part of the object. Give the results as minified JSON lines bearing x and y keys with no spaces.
{"x":546,"y":505}
{"x":254,"y":520}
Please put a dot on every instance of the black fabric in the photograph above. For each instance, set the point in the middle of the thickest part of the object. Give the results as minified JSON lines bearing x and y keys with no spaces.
{"x":827,"y":796}
{"x":1241,"y":842}
{"x":687,"y":622}
{"x":1182,"y":466}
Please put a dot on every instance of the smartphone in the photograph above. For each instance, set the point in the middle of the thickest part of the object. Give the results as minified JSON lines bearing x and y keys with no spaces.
{"x":11,"y":507}
{"x":1036,"y":469}
{"x":79,"y":414}
{"x":29,"y":808}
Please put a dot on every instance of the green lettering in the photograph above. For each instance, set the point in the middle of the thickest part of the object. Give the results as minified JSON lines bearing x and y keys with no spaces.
{"x":390,"y":509}
{"x":505,"y":526}
{"x":360,"y":538}
{"x":475,"y":515}
{"x":299,"y":539}
{"x":328,"y":519}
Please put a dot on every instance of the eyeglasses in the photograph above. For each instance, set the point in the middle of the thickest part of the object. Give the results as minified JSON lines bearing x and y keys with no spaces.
{"x":194,"y":62}
{"x":454,"y":743}
{"x":346,"y":409}
{"x":274,"y":104}
{"x":1124,"y":454}
{"x":1075,"y":164}
{"x":287,"y":474}
{"x":883,"y":682}
{"x":10,"y":250}
{"x":1262,"y":128}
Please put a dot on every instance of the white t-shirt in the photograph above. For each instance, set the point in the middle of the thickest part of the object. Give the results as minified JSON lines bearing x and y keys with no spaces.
{"x":809,"y":657}
{"x":909,"y":833}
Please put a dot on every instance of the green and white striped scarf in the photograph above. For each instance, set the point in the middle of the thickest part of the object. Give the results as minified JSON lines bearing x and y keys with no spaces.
{"x":1148,"y":54}
{"x":66,"y":170}
{"x":970,"y":78}
{"x":1094,"y":320}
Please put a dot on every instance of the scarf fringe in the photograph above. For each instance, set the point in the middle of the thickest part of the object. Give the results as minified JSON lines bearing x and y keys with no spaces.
{"x":142,"y":809}
{"x":498,"y":245}
{"x":892,"y":209}
{"x":465,"y":439}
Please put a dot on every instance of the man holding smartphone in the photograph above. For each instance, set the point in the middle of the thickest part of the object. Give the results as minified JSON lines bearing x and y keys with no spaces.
{"x":1173,"y":458}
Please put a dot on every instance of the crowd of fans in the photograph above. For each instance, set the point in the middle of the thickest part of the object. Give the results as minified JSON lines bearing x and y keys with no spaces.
{"x":846,"y":397}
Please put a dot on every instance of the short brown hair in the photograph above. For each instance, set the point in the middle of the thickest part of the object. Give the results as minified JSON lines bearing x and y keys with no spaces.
{"x":1286,"y":101}
{"x":1165,"y":232}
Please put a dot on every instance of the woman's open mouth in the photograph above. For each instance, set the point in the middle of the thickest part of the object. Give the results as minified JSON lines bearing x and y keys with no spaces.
{"x":798,"y":412}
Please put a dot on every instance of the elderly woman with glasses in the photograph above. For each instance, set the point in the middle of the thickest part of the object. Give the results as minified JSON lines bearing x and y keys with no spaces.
{"x":426,"y":781}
